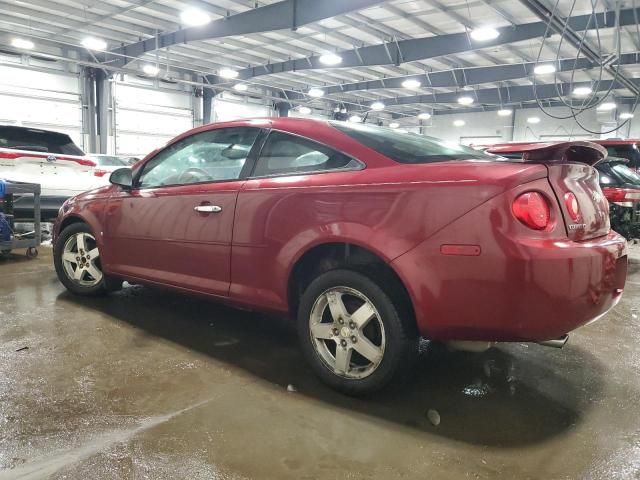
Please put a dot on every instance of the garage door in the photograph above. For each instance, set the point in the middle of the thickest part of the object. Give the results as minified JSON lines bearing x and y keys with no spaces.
{"x":226,"y":107}
{"x":147,"y":118}
{"x":37,"y":99}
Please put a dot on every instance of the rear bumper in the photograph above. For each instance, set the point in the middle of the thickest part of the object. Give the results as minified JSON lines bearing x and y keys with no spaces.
{"x":523,"y":290}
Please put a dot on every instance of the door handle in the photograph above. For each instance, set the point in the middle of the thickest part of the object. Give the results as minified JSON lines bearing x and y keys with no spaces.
{"x":208,"y":209}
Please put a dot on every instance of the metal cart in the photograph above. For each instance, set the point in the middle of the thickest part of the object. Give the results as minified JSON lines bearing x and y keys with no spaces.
{"x":8,"y":190}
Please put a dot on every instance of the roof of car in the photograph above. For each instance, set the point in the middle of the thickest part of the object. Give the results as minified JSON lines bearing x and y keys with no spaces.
{"x":30,"y":129}
{"x":615,"y":141}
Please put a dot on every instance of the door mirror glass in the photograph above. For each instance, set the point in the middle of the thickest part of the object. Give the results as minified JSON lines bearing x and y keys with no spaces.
{"x":122,"y":177}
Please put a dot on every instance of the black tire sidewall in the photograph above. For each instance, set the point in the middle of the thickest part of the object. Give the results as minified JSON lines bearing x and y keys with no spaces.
{"x":399,"y":346}
{"x":58,"y":250}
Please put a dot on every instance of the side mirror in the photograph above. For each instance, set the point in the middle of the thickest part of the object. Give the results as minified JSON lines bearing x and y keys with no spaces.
{"x":122,"y":177}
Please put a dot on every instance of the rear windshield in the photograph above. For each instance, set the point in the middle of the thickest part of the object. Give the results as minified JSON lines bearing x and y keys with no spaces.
{"x":408,"y":147}
{"x":37,"y":140}
{"x":628,"y":151}
{"x":109,"y":161}
{"x":617,"y":173}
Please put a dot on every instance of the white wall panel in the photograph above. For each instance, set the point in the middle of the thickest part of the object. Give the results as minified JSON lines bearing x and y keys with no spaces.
{"x":146,"y":117}
{"x":230,"y":107}
{"x":40,"y":99}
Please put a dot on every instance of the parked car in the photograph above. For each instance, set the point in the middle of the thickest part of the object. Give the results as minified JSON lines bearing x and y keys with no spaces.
{"x":621,"y":187}
{"x":617,"y":147}
{"x":50,"y":159}
{"x":105,"y":164}
{"x":369,"y":237}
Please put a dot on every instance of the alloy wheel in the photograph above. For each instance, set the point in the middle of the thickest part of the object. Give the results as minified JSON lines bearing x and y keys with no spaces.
{"x":81,"y":260}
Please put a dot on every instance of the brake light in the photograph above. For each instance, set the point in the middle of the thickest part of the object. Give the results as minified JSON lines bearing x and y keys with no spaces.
{"x":532,"y":209}
{"x":615,"y":195}
{"x":571,"y":202}
{"x":10,"y":155}
{"x":100,"y":173}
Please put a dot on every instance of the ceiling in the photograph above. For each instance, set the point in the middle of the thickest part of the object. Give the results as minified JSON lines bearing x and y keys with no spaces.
{"x":57,"y":27}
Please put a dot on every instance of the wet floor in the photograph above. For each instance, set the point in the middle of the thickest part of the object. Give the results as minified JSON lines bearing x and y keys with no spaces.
{"x":148,"y":384}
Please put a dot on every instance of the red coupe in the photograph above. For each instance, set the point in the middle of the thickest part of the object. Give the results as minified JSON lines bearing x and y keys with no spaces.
{"x":370,"y":237}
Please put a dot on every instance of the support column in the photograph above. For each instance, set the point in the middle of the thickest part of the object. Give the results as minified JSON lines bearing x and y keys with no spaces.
{"x":88,"y":99}
{"x":207,"y":105}
{"x":103,"y":103}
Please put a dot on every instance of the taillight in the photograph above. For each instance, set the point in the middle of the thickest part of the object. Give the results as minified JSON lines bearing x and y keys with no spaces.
{"x":616,"y":195}
{"x":11,"y":155}
{"x":100,"y":173}
{"x":532,"y":209}
{"x":571,"y":202}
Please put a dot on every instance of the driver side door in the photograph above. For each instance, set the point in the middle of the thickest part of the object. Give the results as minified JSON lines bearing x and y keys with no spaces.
{"x":175,"y":225}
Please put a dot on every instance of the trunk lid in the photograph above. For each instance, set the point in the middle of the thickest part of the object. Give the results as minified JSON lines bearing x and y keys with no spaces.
{"x":570,"y":167}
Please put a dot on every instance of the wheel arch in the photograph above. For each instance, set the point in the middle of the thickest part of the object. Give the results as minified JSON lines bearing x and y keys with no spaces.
{"x":323,"y":257}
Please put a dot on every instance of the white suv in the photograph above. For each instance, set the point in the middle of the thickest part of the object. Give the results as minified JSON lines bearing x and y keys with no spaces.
{"x":50,"y":159}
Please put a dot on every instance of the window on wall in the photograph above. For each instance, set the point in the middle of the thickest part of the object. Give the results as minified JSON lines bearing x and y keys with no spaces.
{"x":285,"y":154}
{"x":211,"y":156}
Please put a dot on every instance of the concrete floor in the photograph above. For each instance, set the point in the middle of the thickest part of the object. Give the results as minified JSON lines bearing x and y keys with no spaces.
{"x":148,"y":384}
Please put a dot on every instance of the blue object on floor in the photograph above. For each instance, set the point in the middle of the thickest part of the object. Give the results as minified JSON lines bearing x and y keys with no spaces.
{"x":5,"y":229}
{"x":2,"y":188}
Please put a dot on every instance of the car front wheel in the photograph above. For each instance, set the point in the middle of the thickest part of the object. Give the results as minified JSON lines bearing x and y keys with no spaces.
{"x":353,"y":334}
{"x":77,"y":262}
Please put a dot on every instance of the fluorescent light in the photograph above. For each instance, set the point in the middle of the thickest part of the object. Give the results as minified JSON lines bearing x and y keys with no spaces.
{"x":315,"y":92}
{"x":304,"y":110}
{"x":411,"y":83}
{"x":22,"y":43}
{"x":582,"y":91}
{"x":150,"y":70}
{"x":228,"y":73}
{"x":394,"y":125}
{"x":533,"y":120}
{"x":355,"y":119}
{"x":194,"y":17}
{"x":484,"y":34}
{"x":240,"y":87}
{"x":544,"y":69}
{"x":458,"y":123}
{"x":91,"y":43}
{"x":465,"y":100}
{"x":330,"y":59}
{"x":607,"y":106}
{"x":377,"y":106}
{"x":505,"y":112}
{"x":424,"y":116}
{"x":625,"y":116}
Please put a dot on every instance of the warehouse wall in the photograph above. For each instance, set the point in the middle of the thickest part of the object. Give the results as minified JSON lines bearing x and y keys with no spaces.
{"x":40,"y":96}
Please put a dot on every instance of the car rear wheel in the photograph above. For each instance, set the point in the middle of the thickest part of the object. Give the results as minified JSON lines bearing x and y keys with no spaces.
{"x":77,"y":262}
{"x":352,"y":332}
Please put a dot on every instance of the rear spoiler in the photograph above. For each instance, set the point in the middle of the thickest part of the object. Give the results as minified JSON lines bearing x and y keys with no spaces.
{"x":582,"y":152}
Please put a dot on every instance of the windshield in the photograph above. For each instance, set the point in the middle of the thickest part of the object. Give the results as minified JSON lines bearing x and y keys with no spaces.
{"x":409,"y":147}
{"x":20,"y":138}
{"x":109,"y":161}
{"x":614,"y":173}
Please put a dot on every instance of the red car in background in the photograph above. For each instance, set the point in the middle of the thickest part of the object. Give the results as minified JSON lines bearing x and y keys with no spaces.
{"x":369,"y":237}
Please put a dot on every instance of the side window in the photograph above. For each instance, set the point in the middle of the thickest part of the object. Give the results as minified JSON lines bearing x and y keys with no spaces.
{"x":287,"y":154}
{"x":210,"y":156}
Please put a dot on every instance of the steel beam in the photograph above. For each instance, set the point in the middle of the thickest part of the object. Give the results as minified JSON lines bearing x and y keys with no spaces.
{"x":287,"y":14}
{"x":431,"y":47}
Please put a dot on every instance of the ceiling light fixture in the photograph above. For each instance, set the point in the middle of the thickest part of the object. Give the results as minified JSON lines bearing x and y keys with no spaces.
{"x":465,"y":100}
{"x":544,"y":69}
{"x":330,"y":59}
{"x":505,"y":112}
{"x":240,"y":87}
{"x":194,"y":17}
{"x":228,"y":73}
{"x":484,"y":34}
{"x":411,"y":83}
{"x":315,"y":92}
{"x":91,"y":43}
{"x":377,"y":106}
{"x":607,"y":106}
{"x":582,"y":91}
{"x":151,"y":70}
{"x":394,"y":125}
{"x":625,"y":116}
{"x":424,"y":116}
{"x":355,"y":119}
{"x":304,"y":110}
{"x":533,"y":120}
{"x":22,"y":43}
{"x":458,"y":123}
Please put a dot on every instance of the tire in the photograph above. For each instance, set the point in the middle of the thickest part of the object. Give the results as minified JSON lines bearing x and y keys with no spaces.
{"x":326,"y":341}
{"x":69,"y":255}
